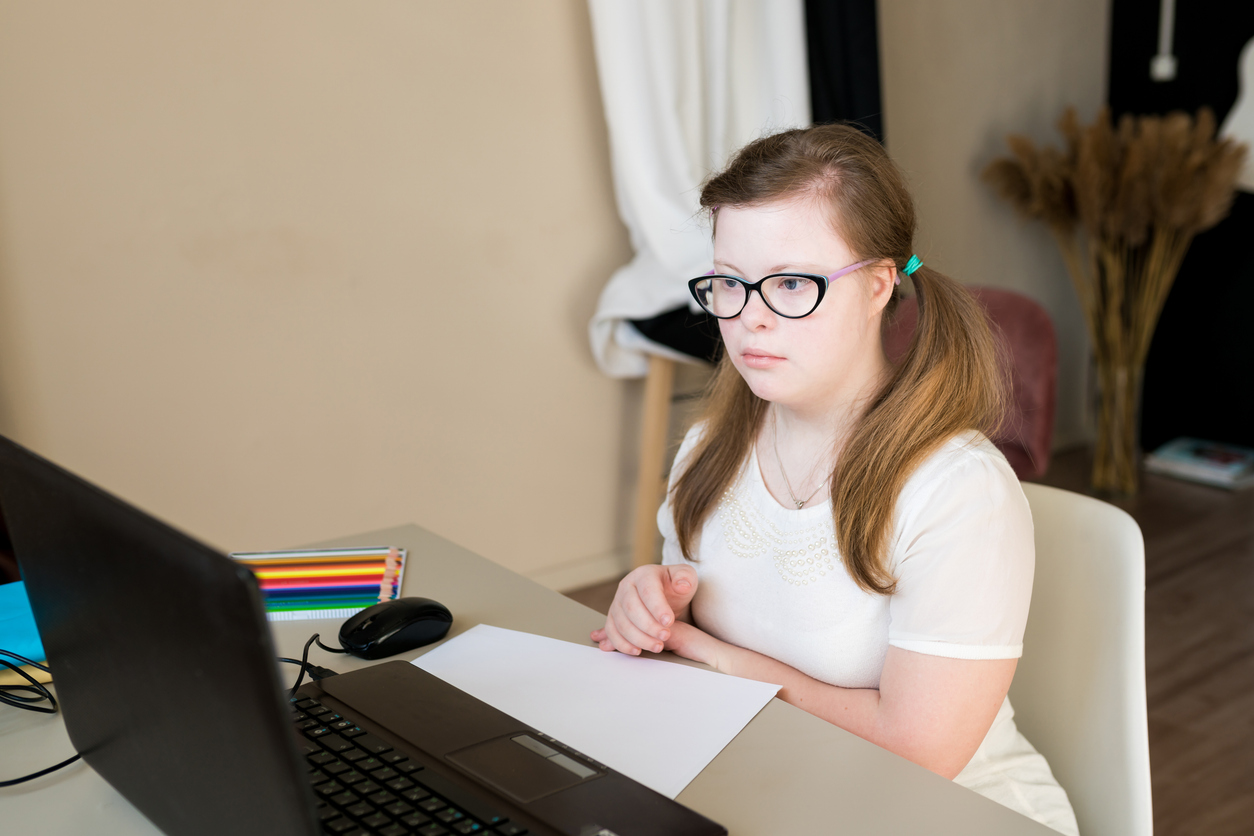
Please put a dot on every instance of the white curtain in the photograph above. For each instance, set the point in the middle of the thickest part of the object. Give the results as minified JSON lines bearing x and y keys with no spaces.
{"x":685,"y":83}
{"x":1239,"y":125}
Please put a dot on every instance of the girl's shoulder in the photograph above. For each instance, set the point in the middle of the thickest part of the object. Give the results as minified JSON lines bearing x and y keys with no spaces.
{"x":964,"y":500}
{"x":967,"y":449}
{"x":967,"y":464}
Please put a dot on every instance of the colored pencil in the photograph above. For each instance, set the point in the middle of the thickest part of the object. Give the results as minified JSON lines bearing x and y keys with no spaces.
{"x":325,"y":583}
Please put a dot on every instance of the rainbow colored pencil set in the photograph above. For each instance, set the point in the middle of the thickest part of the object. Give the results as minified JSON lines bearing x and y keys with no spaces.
{"x":325,"y":583}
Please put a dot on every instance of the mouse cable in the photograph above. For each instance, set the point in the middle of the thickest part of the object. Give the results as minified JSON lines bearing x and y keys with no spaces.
{"x":328,"y":649}
{"x":21,"y":696}
{"x":315,"y":671}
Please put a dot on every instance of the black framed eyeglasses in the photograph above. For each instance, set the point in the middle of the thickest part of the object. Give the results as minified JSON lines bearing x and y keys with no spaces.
{"x":791,"y":295}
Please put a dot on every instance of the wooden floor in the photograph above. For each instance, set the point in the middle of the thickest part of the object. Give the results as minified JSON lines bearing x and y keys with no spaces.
{"x":1199,"y":617}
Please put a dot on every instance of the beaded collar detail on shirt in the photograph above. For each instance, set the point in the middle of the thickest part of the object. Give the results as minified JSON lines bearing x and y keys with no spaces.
{"x":802,"y":546}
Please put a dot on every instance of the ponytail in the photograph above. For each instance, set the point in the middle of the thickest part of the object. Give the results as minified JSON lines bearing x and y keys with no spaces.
{"x":949,"y":381}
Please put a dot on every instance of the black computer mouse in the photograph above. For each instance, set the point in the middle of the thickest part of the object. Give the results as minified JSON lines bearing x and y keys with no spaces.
{"x":395,"y":626}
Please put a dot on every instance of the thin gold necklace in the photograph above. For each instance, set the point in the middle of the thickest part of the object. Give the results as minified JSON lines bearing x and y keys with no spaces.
{"x":800,"y":503}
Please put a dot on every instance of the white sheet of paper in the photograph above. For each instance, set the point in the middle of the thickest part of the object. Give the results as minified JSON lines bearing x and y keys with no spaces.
{"x":657,"y":722}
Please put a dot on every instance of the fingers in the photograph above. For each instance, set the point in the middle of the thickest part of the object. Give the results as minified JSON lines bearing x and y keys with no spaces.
{"x":632,"y":628}
{"x":644,"y":609}
{"x":682,"y":579}
{"x":609,"y":638}
{"x":664,"y":592}
{"x":625,"y":638}
{"x":642,"y":598}
{"x":652,"y":609}
{"x":600,"y":639}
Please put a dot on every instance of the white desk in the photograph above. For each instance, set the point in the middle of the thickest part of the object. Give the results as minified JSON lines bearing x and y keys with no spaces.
{"x":787,"y":772}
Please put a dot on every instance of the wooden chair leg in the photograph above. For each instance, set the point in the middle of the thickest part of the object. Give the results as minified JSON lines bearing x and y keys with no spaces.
{"x":653,"y":437}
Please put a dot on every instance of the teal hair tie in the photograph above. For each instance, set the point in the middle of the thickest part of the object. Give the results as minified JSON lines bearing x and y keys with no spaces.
{"x":912,"y":265}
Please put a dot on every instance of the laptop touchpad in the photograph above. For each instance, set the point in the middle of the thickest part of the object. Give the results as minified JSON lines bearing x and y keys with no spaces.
{"x":521,"y":766}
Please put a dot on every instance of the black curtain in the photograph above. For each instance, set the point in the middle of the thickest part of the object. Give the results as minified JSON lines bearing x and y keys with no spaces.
{"x":1201,"y":362}
{"x":842,"y":39}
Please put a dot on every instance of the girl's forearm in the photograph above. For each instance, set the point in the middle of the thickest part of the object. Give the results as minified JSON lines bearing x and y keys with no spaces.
{"x":936,"y":711}
{"x":857,"y":710}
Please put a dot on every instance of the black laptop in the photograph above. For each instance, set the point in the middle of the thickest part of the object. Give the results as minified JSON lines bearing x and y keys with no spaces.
{"x":168,"y":680}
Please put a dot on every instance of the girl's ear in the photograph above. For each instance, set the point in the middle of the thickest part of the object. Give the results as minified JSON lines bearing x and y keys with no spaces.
{"x":881,"y":279}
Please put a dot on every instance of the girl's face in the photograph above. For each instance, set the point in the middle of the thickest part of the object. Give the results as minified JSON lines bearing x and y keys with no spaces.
{"x":831,"y":356}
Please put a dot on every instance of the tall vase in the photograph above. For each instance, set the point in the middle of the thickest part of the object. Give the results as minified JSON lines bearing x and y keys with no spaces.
{"x":1115,"y":464}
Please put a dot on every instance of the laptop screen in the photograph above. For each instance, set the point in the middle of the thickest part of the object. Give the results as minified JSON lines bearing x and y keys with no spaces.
{"x":161,"y":657}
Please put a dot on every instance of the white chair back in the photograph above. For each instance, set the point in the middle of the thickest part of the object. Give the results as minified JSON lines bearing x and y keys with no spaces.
{"x":1079,"y":690}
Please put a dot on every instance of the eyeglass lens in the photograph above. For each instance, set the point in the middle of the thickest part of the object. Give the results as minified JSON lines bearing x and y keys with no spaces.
{"x":787,"y":295}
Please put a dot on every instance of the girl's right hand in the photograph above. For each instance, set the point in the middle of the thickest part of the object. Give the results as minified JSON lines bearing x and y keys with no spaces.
{"x":647,"y":603}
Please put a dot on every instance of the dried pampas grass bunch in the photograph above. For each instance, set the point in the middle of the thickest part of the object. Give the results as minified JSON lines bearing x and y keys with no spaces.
{"x":1124,"y":203}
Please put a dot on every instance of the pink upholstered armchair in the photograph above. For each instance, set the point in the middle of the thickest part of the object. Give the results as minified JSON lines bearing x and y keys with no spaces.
{"x":1027,"y":336}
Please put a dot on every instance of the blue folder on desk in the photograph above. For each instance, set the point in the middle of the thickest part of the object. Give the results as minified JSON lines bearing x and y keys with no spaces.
{"x":18,"y":633}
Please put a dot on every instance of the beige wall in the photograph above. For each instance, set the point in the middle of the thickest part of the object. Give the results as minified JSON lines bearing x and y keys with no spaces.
{"x":958,"y":75}
{"x":284,"y":270}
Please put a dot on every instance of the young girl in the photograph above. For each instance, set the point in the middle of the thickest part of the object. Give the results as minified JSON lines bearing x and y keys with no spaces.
{"x":837,"y":524}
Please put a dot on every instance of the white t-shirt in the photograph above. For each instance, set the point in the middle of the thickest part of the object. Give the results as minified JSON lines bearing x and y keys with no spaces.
{"x":770,"y":579}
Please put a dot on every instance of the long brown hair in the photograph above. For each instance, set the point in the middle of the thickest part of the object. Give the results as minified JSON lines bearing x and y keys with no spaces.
{"x":948,"y":381}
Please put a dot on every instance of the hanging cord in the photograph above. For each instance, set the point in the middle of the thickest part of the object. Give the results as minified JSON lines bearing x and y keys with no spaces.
{"x":40,"y":773}
{"x":26,"y":698}
{"x":316,"y":672}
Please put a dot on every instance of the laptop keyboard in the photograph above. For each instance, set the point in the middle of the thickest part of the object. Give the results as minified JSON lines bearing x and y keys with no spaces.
{"x":364,"y":786}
